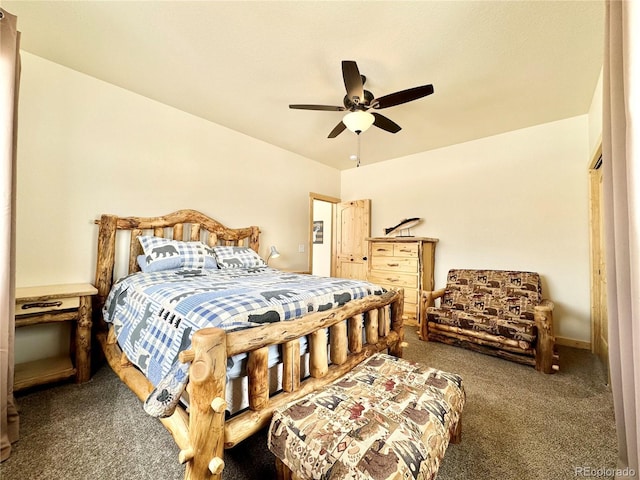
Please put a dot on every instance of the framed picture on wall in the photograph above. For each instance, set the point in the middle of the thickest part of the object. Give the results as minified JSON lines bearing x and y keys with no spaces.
{"x":318,"y":231}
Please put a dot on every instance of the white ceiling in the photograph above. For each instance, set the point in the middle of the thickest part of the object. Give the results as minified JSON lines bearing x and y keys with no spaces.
{"x":496,"y":66}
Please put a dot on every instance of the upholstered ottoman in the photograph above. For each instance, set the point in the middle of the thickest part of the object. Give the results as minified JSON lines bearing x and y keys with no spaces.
{"x":386,"y":419}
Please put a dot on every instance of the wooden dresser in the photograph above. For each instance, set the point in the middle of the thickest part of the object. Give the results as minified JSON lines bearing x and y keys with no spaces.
{"x":405,"y":262}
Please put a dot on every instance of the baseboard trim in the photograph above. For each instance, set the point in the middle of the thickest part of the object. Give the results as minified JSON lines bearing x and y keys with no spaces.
{"x":570,"y":342}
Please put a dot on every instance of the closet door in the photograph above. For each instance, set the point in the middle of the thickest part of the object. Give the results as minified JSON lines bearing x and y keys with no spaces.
{"x":599,"y":323}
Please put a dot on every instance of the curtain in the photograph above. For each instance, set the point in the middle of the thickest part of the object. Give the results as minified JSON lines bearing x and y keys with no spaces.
{"x":9,"y":81}
{"x":621,"y":182}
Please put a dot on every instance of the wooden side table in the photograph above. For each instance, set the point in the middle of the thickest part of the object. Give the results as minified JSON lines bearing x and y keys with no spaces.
{"x":49,"y":304}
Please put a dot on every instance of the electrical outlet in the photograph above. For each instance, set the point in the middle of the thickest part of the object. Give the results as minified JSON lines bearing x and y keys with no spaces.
{"x":301,"y":248}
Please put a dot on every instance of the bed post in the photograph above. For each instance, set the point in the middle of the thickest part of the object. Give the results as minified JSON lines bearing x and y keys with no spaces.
{"x":104,"y":264}
{"x":207,"y":384}
{"x":545,"y":341}
{"x":254,"y":239}
{"x":397,"y":324}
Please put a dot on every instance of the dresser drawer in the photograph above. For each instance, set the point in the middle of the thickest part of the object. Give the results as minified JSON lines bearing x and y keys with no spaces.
{"x":29,"y":307}
{"x":411,"y":295}
{"x":393,"y":279}
{"x":382,"y":249}
{"x":395,"y":264}
{"x":411,"y":311}
{"x":405,"y":250}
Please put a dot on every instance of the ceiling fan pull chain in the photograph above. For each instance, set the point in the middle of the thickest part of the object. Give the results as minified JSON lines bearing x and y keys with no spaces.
{"x":358,"y":159}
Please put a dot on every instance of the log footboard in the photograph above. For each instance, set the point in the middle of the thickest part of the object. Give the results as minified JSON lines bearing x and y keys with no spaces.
{"x":203,"y":433}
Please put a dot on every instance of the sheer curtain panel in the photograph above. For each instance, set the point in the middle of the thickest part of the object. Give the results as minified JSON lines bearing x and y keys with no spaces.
{"x":621,"y":163}
{"x":9,"y":81}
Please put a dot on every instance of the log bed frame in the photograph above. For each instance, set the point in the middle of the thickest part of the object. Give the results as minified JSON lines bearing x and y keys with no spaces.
{"x":203,"y":433}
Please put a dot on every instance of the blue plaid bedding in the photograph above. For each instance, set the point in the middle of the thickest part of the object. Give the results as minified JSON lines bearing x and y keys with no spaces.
{"x":155,"y":314}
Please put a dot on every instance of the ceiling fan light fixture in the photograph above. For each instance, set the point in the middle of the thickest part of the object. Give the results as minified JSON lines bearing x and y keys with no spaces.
{"x":358,"y":121}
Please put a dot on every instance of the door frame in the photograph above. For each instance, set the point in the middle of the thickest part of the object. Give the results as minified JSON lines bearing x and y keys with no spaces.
{"x":323,"y":198}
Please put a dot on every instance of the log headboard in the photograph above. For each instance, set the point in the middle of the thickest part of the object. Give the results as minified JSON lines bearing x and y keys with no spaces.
{"x":181,"y":225}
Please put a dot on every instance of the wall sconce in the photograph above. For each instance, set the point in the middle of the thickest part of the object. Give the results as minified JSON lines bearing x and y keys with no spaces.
{"x":273,"y":253}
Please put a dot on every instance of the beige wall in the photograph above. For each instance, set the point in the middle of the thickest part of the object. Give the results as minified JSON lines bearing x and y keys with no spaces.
{"x":512,"y":201}
{"x":86,"y":147}
{"x":595,"y":118}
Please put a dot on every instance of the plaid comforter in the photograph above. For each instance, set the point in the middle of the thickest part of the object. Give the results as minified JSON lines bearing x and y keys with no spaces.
{"x":155,"y":314}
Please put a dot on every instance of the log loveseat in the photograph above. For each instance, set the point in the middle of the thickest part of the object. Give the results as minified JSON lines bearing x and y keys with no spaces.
{"x":498,"y":312}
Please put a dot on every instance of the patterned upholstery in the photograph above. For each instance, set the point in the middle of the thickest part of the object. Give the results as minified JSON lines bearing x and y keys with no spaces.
{"x":387,"y":418}
{"x":498,"y":302}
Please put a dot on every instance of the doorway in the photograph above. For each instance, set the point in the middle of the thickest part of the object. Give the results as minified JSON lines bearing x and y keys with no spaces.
{"x":337,"y":236}
{"x":321,"y":234}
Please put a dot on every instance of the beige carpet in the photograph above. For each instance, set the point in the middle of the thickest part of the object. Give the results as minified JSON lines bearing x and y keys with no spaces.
{"x":518,"y":424}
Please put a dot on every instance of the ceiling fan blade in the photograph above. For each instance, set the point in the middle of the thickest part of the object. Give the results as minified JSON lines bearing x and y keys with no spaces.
{"x":385,"y":124}
{"x":329,"y":108}
{"x":352,"y":81}
{"x":339,"y":128}
{"x":403,"y":96}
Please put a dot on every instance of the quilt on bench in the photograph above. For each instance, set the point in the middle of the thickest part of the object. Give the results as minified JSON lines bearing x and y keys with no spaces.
{"x":387,"y":418}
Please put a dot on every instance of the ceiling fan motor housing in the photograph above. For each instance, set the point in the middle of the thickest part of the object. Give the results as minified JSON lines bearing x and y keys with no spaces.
{"x":361,"y":105}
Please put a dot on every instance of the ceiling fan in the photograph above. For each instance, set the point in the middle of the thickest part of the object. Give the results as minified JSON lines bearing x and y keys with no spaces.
{"x":358,"y":101}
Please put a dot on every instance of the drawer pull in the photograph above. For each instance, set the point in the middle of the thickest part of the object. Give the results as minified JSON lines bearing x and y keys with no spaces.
{"x":392,"y":280}
{"x":41,"y":305}
{"x":393,"y":264}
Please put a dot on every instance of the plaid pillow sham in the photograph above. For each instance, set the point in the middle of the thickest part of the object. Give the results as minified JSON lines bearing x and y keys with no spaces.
{"x":164,"y":254}
{"x":237,"y":257}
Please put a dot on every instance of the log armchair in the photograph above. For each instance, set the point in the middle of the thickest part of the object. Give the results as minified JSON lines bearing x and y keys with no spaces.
{"x":498,"y":312}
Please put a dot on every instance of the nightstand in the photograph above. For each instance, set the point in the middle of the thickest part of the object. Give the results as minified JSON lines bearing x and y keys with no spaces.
{"x":49,"y":304}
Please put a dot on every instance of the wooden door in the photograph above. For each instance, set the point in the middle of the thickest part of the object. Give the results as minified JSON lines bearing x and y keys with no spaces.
{"x":599,"y":322}
{"x":353,"y":225}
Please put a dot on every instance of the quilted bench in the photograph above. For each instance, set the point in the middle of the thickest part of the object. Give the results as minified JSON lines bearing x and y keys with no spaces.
{"x":498,"y":312}
{"x":386,"y":419}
